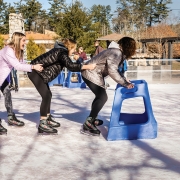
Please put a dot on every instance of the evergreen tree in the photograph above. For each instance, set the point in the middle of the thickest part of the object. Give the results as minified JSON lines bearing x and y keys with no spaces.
{"x":41,"y":48}
{"x":31,"y":11}
{"x":82,"y":24}
{"x":55,"y":12}
{"x":3,"y":7}
{"x":74,"y":22}
{"x":32,"y":49}
{"x":101,"y":16}
{"x":19,"y":6}
{"x":41,"y":22}
{"x":1,"y":42}
{"x":134,"y":14}
{"x":157,"y":10}
{"x":5,"y":10}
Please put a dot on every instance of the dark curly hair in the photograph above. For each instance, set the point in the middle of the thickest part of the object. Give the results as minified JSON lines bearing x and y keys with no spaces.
{"x":128,"y":46}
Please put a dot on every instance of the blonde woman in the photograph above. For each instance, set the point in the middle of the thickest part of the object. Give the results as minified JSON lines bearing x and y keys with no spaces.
{"x":10,"y":56}
{"x":53,"y":62}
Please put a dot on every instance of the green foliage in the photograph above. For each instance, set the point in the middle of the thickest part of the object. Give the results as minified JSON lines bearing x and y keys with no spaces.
{"x":86,"y":40}
{"x":5,"y":10}
{"x":133,"y":13}
{"x":100,"y":13}
{"x":33,"y":49}
{"x":31,"y":10}
{"x":42,"y":49}
{"x":1,"y":42}
{"x":55,"y":12}
{"x":74,"y":21}
{"x":67,"y":20}
{"x":83,"y":25}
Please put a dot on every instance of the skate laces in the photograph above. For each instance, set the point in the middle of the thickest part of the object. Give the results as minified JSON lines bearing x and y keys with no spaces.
{"x":12,"y":118}
{"x":90,"y":124}
{"x":44,"y":124}
{"x":51,"y":118}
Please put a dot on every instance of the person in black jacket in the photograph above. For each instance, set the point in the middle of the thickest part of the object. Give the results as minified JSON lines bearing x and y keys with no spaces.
{"x":53,"y":62}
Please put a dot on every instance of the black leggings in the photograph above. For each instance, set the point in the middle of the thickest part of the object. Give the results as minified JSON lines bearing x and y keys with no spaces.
{"x":100,"y":97}
{"x":43,"y":90}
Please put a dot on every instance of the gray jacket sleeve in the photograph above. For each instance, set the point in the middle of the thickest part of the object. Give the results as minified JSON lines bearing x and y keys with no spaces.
{"x":113,"y":62}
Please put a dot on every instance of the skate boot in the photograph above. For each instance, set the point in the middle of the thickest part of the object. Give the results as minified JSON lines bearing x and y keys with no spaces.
{"x":98,"y":122}
{"x":16,"y":88}
{"x":11,"y":87}
{"x":44,"y":127}
{"x":51,"y":122}
{"x":89,"y":128}
{"x":2,"y":129}
{"x":12,"y":120}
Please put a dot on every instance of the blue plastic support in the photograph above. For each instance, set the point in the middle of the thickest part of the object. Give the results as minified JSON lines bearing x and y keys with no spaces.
{"x":59,"y":80}
{"x":132,"y":126}
{"x":54,"y":81}
{"x":79,"y":84}
{"x":62,"y":78}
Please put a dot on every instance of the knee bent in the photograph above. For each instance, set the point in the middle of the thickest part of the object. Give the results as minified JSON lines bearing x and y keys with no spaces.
{"x":104,"y":98}
{"x":47,"y":96}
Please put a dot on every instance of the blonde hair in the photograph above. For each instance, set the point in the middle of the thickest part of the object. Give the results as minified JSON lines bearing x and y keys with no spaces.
{"x":69,"y":43}
{"x":15,"y":44}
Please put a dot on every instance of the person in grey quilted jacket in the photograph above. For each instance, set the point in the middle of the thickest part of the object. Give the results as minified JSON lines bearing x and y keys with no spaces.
{"x":108,"y":62}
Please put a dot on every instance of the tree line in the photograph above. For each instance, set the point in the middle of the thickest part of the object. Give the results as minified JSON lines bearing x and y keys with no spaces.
{"x":82,"y":24}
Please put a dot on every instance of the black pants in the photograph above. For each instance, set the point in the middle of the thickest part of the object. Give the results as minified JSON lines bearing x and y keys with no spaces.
{"x":100,"y":97}
{"x":43,"y":90}
{"x":7,"y":97}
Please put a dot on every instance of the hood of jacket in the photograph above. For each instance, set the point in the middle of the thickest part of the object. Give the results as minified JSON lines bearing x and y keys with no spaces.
{"x":113,"y":44}
{"x":60,"y":45}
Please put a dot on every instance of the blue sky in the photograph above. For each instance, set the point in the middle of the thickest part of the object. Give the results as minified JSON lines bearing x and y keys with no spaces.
{"x":86,"y":3}
{"x":89,"y":3}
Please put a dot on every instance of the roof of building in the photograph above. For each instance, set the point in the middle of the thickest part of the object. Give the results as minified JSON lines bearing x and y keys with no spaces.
{"x":35,"y":36}
{"x":160,"y":33}
{"x":111,"y":37}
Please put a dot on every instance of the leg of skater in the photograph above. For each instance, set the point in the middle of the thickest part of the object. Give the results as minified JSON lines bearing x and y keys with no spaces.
{"x":11,"y":86}
{"x":2,"y":129}
{"x":12,"y":120}
{"x":97,"y":121}
{"x":50,"y":117}
{"x":15,"y":79}
{"x":45,"y":124}
{"x":100,"y":99}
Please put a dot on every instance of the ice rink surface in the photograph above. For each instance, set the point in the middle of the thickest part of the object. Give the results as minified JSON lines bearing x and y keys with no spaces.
{"x":70,"y":155}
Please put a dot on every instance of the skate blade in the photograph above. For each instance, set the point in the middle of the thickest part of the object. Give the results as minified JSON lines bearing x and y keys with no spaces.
{"x":3,"y":133}
{"x":82,"y":131}
{"x":47,"y":134}
{"x":15,"y":125}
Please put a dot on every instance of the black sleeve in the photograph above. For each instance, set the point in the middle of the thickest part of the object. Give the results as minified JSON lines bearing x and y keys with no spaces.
{"x":65,"y":61}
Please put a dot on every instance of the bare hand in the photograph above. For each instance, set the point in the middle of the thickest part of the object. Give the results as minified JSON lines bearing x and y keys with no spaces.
{"x":76,"y":56}
{"x":38,"y":67}
{"x":130,"y":86}
{"x":92,"y":66}
{"x":128,"y":80}
{"x":89,"y":66}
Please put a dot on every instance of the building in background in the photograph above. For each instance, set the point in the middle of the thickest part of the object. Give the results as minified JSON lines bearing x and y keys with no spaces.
{"x":47,"y":39}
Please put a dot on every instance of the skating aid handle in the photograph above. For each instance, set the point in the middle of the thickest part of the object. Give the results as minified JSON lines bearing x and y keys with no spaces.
{"x":132,"y":90}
